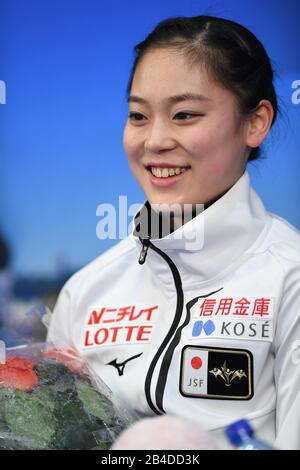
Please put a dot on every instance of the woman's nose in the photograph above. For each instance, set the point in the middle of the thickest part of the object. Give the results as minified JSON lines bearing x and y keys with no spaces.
{"x":159,"y":138}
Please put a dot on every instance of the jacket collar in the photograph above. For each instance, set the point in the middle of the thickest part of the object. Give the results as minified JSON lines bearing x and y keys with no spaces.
{"x":216,"y":238}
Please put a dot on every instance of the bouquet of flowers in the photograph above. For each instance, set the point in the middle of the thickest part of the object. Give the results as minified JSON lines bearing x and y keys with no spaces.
{"x":49,"y":401}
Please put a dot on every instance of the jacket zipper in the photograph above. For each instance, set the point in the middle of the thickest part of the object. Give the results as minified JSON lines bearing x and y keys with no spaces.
{"x":166,"y":362}
{"x":145,"y":245}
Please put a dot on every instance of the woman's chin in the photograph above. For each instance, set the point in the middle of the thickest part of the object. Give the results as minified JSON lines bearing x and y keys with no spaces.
{"x":166,"y":204}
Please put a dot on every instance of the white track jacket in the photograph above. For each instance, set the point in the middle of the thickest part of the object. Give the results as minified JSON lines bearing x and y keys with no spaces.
{"x":207,"y":330}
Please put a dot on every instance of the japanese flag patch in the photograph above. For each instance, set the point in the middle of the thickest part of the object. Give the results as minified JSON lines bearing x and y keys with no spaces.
{"x":216,"y":373}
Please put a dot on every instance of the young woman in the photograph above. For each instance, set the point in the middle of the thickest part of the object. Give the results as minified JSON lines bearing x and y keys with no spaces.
{"x":200,"y":321}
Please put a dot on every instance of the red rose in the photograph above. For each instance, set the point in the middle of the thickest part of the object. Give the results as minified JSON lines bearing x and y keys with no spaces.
{"x":18,"y":373}
{"x":20,"y":362}
{"x":68,"y":356}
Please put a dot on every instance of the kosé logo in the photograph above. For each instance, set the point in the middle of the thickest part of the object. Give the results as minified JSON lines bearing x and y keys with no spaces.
{"x":206,"y":328}
{"x":233,"y":328}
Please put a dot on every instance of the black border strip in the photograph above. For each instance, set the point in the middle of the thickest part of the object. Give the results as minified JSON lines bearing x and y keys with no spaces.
{"x":166,"y":362}
{"x":172,"y":330}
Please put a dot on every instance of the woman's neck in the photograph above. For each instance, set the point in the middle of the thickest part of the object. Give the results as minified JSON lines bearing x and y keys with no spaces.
{"x":177,"y":220}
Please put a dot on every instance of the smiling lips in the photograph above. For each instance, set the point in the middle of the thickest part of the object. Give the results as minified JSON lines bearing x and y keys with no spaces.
{"x":166,"y":170}
{"x":163,"y":175}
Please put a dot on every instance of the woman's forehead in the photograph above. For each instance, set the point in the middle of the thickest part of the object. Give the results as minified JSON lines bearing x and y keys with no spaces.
{"x":166,"y":77}
{"x":160,"y":61}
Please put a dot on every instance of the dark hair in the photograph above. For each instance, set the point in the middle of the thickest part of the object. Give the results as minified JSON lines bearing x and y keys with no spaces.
{"x":228,"y":50}
{"x":4,"y":254}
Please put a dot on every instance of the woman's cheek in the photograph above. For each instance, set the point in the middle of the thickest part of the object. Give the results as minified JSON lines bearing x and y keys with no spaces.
{"x":127,"y":140}
{"x":201,"y":141}
{"x":131,"y":146}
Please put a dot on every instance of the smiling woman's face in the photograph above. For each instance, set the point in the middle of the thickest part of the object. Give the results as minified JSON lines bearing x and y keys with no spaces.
{"x":204,"y":139}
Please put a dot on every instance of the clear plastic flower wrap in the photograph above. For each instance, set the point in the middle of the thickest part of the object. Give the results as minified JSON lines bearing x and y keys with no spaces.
{"x":50,"y":400}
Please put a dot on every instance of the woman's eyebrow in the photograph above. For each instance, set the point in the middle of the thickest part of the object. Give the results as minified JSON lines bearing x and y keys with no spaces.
{"x":171,"y":99}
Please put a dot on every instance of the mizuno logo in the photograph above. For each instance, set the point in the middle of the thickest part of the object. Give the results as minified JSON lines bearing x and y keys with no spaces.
{"x":121,"y":365}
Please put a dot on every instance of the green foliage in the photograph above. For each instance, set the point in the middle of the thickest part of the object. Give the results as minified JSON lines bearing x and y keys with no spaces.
{"x":63,"y":412}
{"x":29,"y":417}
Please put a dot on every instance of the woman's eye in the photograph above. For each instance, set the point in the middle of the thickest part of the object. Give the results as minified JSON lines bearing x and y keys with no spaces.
{"x":184,"y":115}
{"x":136,"y":116}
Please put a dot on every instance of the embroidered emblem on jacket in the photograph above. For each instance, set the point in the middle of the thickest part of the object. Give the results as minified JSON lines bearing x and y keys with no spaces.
{"x":227,"y":375}
{"x":218,"y":373}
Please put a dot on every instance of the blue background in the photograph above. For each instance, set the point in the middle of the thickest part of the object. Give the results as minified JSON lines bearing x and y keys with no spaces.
{"x":66,"y":64}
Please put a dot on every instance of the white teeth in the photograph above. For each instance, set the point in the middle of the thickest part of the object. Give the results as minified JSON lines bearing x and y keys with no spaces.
{"x":166,"y":172}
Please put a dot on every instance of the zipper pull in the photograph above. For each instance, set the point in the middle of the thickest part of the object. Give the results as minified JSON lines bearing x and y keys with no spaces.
{"x":144,"y":250}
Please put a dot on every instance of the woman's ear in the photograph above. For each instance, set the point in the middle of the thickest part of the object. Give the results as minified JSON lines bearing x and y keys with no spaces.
{"x":259,"y":123}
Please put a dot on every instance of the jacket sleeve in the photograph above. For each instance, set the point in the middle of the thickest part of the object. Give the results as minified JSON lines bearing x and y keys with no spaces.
{"x":59,"y":331}
{"x":287,"y":363}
